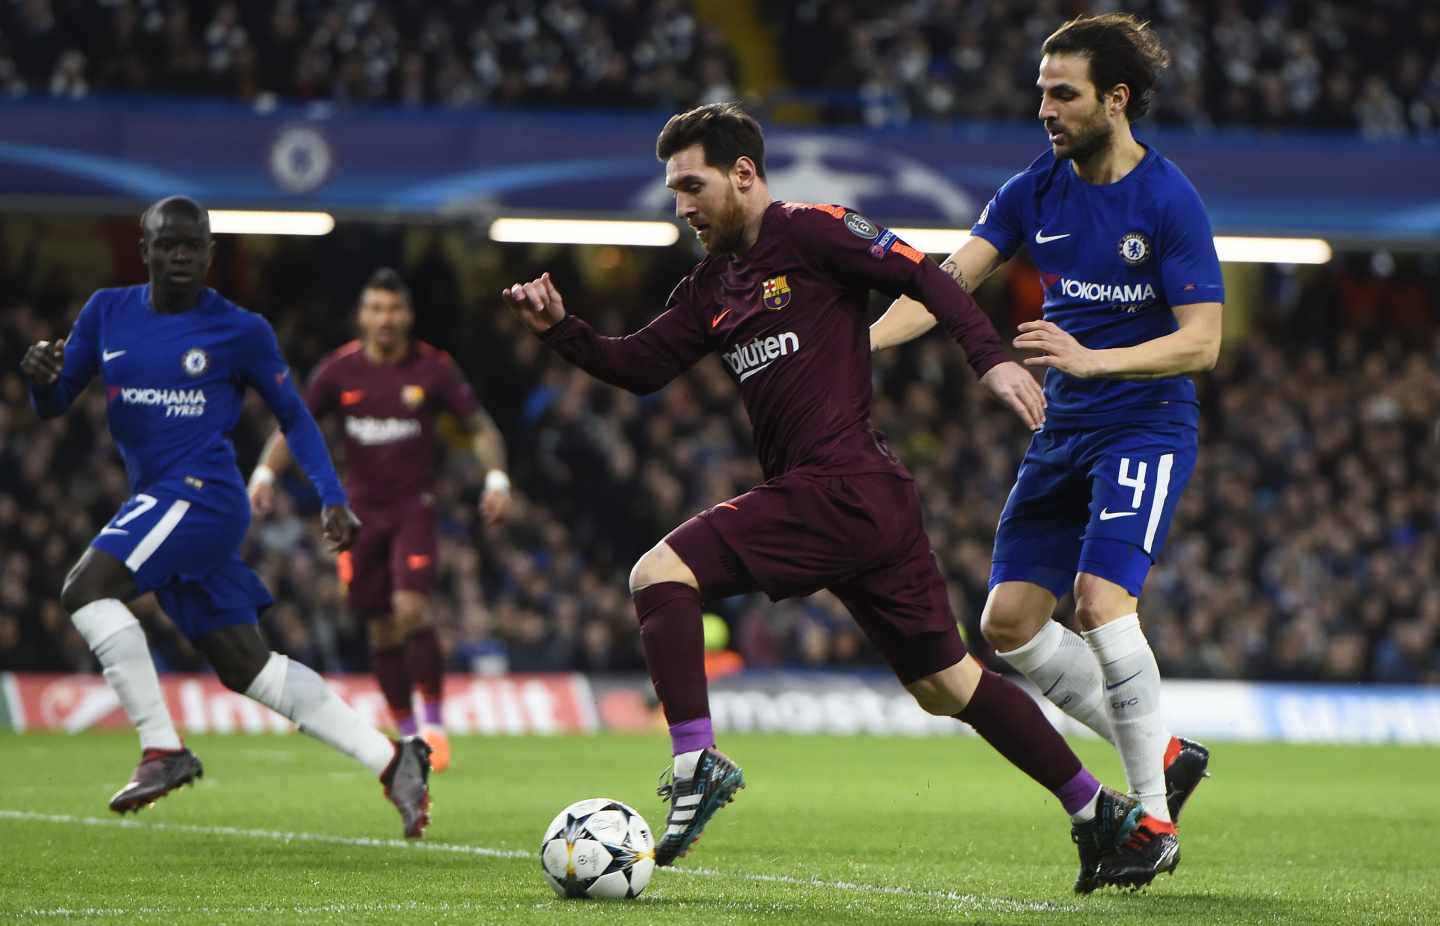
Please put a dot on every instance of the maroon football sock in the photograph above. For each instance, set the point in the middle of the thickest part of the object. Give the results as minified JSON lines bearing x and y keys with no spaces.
{"x":672,"y":636}
{"x":394,"y":677}
{"x":426,"y":668}
{"x":1014,"y":725}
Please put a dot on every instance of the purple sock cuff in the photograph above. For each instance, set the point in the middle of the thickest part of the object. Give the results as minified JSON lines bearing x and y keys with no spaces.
{"x":407,"y":725}
{"x":1076,"y":792}
{"x":432,"y":713}
{"x":691,"y":735}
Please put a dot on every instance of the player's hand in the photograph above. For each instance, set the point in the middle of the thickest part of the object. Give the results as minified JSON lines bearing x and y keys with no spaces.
{"x":262,"y":498}
{"x":1012,"y":384}
{"x":1057,"y":348}
{"x":339,"y":526}
{"x":494,"y":503}
{"x":537,"y":303}
{"x":43,"y":361}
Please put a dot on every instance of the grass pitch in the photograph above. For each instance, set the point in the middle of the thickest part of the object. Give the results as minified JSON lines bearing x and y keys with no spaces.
{"x":830,"y":830}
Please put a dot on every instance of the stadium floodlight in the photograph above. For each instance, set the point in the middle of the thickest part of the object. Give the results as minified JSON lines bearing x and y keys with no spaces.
{"x":584,"y":231}
{"x":1273,"y":250}
{"x":1232,"y":249}
{"x":248,"y":222}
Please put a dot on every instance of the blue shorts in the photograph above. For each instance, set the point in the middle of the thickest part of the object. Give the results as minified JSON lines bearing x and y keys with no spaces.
{"x":184,"y":545}
{"x":1097,"y":501}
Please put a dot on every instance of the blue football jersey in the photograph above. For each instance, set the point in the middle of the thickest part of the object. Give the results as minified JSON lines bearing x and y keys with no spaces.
{"x":175,"y":384}
{"x":1114,"y":259}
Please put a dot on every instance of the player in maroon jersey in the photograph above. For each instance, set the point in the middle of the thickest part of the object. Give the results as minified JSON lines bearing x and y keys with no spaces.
{"x":388,"y":389}
{"x":782,"y":296}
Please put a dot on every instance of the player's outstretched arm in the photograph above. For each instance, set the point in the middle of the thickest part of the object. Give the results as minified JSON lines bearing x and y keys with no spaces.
{"x":274,"y":459}
{"x":641,"y":362}
{"x":907,"y":319}
{"x":1194,"y":348}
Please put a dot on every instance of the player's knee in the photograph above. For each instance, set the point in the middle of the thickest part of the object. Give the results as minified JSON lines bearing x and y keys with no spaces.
{"x":1098,"y":601}
{"x":238,"y":671}
{"x":88,"y":583}
{"x":1013,"y":614}
{"x":659,"y":564}
{"x":1005,"y":628}
{"x":935,"y":697}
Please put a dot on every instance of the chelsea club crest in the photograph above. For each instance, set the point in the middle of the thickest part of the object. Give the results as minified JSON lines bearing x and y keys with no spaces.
{"x":1135,"y":248}
{"x":195,"y":361}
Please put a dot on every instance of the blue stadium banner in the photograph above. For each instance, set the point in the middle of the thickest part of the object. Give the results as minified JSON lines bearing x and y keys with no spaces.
{"x":113,"y":151}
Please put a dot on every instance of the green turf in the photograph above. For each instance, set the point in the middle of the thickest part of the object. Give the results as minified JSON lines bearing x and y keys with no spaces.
{"x":829,"y":831}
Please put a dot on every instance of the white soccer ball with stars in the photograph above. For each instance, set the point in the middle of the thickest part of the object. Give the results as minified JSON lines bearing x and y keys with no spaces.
{"x":598,"y":848}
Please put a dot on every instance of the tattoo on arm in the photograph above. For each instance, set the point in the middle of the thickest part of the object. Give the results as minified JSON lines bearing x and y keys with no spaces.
{"x":952,"y":268}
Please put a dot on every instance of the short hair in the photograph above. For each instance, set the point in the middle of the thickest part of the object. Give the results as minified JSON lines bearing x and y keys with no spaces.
{"x":197,"y":211}
{"x":1121,"y":50}
{"x":724,"y":130}
{"x":387,"y":279}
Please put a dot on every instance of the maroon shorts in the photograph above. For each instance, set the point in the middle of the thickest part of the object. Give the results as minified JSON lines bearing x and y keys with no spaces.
{"x":860,"y":536}
{"x":395,"y":552}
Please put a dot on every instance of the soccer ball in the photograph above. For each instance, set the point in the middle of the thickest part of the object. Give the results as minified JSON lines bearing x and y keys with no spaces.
{"x":598,"y":848}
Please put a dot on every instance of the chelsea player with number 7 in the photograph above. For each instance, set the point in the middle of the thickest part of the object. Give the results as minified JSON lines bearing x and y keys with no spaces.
{"x":176,"y":358}
{"x":1133,"y":298}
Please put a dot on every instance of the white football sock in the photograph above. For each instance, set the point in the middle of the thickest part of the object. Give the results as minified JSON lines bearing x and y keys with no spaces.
{"x":1087,"y":813}
{"x":295,"y":691}
{"x":118,"y":642}
{"x":685,"y":764}
{"x":1062,"y":666}
{"x":1132,"y":697}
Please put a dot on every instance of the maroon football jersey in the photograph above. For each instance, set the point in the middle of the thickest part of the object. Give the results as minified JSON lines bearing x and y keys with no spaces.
{"x":788,"y":317}
{"x":388,"y":413}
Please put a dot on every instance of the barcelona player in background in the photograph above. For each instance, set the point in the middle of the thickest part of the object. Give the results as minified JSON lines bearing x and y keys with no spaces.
{"x":388,"y":390}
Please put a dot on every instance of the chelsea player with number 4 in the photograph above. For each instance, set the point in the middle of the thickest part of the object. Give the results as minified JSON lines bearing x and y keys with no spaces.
{"x":176,"y":358}
{"x":1133,"y":298}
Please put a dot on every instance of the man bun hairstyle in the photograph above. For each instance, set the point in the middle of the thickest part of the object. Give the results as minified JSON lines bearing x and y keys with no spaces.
{"x":387,"y":279}
{"x":724,"y":130}
{"x":1121,"y":50}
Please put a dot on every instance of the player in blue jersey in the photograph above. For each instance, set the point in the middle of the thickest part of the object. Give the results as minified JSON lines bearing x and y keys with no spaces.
{"x":176,"y":358}
{"x":1133,"y":298}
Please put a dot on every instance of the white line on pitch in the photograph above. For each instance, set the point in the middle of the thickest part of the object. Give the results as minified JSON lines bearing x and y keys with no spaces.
{"x":973,"y":901}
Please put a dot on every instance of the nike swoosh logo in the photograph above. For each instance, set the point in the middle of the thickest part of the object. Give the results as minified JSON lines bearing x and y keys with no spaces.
{"x":715,"y":322}
{"x":749,"y":373}
{"x":110,"y":355}
{"x":1046,"y":692}
{"x":112,"y":530}
{"x":1121,"y":682}
{"x":1108,"y":515}
{"x":1042,"y":238}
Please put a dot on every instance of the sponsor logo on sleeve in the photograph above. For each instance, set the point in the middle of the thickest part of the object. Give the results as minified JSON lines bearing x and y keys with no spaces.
{"x":860,"y":226}
{"x":882,"y":245}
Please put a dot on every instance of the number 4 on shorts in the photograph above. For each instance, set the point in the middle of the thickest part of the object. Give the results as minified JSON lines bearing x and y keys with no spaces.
{"x":1137,"y":482}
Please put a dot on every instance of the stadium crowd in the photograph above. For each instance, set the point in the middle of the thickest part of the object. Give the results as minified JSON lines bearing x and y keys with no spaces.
{"x":359,"y":52}
{"x":1277,"y":64}
{"x":1301,"y":549}
{"x":1322,"y":64}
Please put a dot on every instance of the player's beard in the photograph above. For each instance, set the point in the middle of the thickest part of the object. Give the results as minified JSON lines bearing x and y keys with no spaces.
{"x":1089,"y":138}
{"x":727,"y":230}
